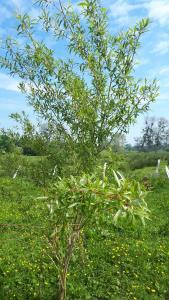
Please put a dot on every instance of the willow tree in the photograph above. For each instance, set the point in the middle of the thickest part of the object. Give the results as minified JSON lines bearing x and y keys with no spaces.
{"x":90,"y":94}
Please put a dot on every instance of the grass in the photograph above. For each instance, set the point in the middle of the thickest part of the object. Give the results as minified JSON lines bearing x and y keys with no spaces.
{"x":114,"y":263}
{"x":25,"y":265}
{"x":130,"y":264}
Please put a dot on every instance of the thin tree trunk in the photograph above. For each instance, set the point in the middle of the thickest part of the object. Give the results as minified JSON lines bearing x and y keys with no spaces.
{"x":66,"y":262}
{"x":62,"y":290}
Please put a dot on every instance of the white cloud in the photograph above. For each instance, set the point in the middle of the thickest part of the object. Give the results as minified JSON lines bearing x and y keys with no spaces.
{"x":8,"y":7}
{"x":162,"y":47}
{"x":163,"y":96}
{"x":8,"y":83}
{"x":17,"y":3}
{"x":121,"y":10}
{"x":164,"y":70}
{"x":141,"y":62}
{"x":158,"y":10}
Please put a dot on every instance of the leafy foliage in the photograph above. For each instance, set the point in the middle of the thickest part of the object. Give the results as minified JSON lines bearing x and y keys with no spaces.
{"x":139,"y":160}
{"x":84,"y":202}
{"x":92,"y":94}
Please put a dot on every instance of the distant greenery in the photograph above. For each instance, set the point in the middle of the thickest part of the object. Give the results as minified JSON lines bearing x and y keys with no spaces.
{"x":138,"y":160}
{"x":155,"y":135}
{"x":7,"y":143}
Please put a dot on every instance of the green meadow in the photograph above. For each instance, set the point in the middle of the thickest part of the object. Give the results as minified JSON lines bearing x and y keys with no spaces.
{"x":114,"y":262}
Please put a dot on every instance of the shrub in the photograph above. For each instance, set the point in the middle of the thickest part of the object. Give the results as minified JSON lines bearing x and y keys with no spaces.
{"x":138,"y":160}
{"x":77,"y":203}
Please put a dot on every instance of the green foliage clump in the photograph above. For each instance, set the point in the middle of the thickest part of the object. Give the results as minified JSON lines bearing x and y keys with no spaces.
{"x":114,"y":160}
{"x":6,"y":143}
{"x":38,"y":170}
{"x":138,"y":160}
{"x":10,"y":162}
{"x":79,"y":203}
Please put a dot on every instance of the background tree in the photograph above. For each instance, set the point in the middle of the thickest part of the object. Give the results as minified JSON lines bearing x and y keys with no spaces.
{"x":90,"y":95}
{"x":118,"y":143}
{"x":31,"y":138}
{"x":162,"y":134}
{"x":155,"y":135}
{"x":6,"y":142}
{"x":148,"y":135}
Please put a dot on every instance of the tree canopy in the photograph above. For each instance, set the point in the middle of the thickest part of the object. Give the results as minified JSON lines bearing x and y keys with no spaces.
{"x":91,"y":94}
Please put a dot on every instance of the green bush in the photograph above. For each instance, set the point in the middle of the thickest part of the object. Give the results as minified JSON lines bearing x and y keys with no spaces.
{"x":139,"y":160}
{"x":10,"y":162}
{"x":39,"y":171}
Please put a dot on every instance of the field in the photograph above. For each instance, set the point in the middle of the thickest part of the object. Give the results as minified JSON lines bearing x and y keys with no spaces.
{"x":113,"y":263}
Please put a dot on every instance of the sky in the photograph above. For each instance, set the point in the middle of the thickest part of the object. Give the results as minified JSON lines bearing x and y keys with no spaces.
{"x":153,"y":56}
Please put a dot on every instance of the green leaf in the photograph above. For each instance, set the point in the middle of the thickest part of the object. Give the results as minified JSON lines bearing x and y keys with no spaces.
{"x":82,"y":4}
{"x":73,"y":205}
{"x":117,"y":179}
{"x":116,"y":216}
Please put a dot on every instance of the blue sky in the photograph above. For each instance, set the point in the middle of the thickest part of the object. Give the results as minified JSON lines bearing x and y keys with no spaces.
{"x":153,"y":56}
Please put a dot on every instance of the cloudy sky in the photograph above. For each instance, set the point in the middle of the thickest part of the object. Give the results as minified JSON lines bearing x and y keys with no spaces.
{"x":153,"y":55}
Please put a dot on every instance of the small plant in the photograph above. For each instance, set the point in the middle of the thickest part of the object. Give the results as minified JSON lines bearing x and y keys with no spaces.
{"x":76,"y":203}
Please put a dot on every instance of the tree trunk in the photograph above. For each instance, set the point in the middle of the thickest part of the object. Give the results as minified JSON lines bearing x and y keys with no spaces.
{"x":62,"y":290}
{"x":66,"y":261}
